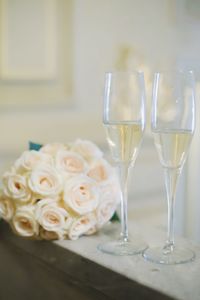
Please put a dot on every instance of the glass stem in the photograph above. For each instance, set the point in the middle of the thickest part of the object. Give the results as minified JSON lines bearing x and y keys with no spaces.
{"x":171,"y":179}
{"x":123,"y":176}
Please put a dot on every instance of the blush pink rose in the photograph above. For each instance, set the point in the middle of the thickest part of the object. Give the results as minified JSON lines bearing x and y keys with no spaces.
{"x":81,"y":194}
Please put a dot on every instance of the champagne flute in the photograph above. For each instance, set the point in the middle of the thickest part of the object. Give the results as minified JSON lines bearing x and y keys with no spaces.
{"x":124,"y":121}
{"x":173,"y":124}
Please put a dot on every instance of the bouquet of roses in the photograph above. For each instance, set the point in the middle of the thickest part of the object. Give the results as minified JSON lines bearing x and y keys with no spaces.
{"x":59,"y":191}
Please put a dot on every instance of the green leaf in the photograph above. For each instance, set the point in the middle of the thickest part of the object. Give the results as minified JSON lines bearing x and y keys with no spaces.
{"x":115,"y":218}
{"x":34,"y":146}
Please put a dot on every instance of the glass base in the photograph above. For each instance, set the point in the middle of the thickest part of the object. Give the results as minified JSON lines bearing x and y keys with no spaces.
{"x":179,"y":255}
{"x":123,"y":248}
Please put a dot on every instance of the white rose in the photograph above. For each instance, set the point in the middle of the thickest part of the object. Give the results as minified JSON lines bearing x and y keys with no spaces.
{"x":91,"y":231}
{"x":70,"y":162}
{"x":81,"y":194}
{"x":51,"y":216}
{"x":82,"y":226}
{"x":24,"y":222}
{"x":110,"y":198}
{"x":100,"y":170}
{"x":53,"y":148}
{"x":45,"y":181}
{"x":87,"y":149}
{"x":30,"y":159}
{"x":15,"y":186}
{"x":6,"y":208}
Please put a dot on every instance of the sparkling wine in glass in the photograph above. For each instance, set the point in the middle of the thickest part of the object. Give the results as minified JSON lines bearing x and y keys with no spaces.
{"x":124,"y":121}
{"x":173,"y":124}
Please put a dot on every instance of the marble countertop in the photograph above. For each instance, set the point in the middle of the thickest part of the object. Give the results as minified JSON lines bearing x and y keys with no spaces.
{"x":176,"y":281}
{"x":82,"y":270}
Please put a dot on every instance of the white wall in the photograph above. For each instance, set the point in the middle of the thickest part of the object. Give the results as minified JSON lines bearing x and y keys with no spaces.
{"x":104,"y":28}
